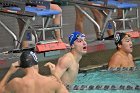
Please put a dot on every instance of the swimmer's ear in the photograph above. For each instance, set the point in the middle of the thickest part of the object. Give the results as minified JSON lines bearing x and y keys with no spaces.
{"x":119,"y":45}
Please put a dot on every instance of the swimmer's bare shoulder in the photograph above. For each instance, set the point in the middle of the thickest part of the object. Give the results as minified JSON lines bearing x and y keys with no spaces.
{"x":13,"y":84}
{"x":60,"y":86}
{"x":131,"y":56}
{"x":115,"y":60}
{"x":56,"y":84}
{"x":66,"y":59}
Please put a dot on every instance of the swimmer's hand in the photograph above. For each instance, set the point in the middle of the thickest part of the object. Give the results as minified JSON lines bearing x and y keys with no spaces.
{"x":12,"y":70}
{"x":14,"y":67}
{"x":51,"y":66}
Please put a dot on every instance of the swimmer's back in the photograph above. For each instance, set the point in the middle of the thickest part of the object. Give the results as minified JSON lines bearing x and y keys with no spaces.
{"x":37,"y":84}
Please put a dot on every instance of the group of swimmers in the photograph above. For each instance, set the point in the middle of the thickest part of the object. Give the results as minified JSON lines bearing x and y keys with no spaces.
{"x":65,"y":71}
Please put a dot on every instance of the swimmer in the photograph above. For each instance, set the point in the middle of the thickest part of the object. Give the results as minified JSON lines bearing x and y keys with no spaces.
{"x":11,"y":70}
{"x":67,"y":66}
{"x":122,"y":57}
{"x":33,"y":82}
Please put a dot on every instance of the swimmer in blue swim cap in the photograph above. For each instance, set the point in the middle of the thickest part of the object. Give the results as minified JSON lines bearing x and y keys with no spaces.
{"x":75,"y":35}
{"x":67,"y":66}
{"x":32,"y":82}
{"x":77,"y":42}
{"x":122,"y":57}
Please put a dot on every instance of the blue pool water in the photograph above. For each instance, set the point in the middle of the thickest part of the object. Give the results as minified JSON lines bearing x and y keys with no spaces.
{"x":103,"y":78}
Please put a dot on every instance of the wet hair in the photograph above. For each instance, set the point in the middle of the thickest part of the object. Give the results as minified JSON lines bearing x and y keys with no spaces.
{"x":28,"y":59}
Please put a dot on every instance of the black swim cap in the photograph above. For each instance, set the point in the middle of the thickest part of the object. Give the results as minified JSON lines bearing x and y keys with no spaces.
{"x":28,"y":59}
{"x":119,"y":36}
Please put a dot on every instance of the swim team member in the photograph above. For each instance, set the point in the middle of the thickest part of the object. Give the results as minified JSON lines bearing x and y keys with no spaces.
{"x":68,"y":65}
{"x":33,"y":82}
{"x":122,"y":57}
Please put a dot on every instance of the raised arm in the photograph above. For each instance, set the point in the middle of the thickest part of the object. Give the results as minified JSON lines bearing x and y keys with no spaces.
{"x":12,"y":70}
{"x":51,"y":66}
{"x":62,"y":65}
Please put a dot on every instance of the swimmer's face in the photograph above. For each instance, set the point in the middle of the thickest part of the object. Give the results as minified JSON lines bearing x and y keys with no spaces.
{"x":127,"y":44}
{"x":80,"y":45}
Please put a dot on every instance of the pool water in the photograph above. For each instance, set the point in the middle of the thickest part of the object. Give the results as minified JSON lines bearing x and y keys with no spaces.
{"x":101,"y":81}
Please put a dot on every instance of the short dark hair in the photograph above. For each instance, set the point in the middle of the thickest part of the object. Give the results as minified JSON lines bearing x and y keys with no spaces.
{"x":118,"y":38}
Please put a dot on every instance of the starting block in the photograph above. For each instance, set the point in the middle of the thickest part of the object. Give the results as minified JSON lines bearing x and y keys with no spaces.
{"x":50,"y":46}
{"x":130,"y":13}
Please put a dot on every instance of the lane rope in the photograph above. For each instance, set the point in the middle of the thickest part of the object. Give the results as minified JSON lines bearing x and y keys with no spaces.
{"x":104,"y":87}
{"x":134,"y":85}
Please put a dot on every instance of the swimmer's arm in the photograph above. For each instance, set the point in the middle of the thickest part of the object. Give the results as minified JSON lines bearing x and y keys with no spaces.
{"x":4,"y":81}
{"x":51,"y":66}
{"x":58,"y":70}
{"x":12,"y":85}
{"x":61,"y":67}
{"x":12,"y":70}
{"x":115,"y":61}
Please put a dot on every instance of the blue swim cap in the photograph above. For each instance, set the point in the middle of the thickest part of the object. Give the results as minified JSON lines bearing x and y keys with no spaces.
{"x":74,"y":36}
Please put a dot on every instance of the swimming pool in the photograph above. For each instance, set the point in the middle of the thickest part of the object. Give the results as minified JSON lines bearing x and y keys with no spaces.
{"x":102,"y":80}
